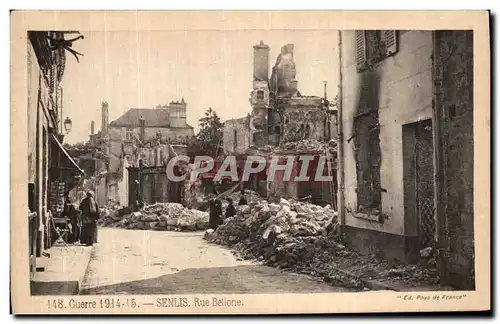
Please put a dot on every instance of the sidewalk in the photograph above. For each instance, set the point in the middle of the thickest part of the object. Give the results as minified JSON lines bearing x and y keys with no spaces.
{"x":65,"y":271}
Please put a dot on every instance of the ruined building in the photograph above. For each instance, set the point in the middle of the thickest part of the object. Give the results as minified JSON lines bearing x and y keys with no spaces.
{"x":280,"y":116}
{"x":279,"y":112}
{"x":406,"y":116}
{"x":141,"y":127}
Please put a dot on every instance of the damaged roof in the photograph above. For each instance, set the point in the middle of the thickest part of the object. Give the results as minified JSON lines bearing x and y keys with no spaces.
{"x":152,"y":118}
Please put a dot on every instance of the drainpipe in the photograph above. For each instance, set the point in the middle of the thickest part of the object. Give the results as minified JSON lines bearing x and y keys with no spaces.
{"x":439,"y":196}
{"x":341,"y":207}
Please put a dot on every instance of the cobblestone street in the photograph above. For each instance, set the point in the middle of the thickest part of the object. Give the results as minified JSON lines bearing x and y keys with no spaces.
{"x":151,"y":262}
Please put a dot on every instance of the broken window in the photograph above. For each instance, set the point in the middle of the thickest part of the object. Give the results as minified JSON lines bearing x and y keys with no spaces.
{"x":367,"y":144}
{"x":372,"y":46}
{"x":129,"y":134}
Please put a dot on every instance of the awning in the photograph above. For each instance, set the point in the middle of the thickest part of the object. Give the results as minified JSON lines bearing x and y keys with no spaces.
{"x":63,"y":153}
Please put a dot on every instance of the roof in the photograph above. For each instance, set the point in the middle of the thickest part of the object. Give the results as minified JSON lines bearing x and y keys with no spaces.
{"x":152,"y":118}
{"x":156,"y":117}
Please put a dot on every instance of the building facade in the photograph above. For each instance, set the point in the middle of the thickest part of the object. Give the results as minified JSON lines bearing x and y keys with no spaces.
{"x":51,"y":170}
{"x":389,"y":136}
{"x":151,"y":136}
{"x":163,"y":124}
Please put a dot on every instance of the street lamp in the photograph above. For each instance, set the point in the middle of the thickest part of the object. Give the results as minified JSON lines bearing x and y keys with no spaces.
{"x":67,"y":125}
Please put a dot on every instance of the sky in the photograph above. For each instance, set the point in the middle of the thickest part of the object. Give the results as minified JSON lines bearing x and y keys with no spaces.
{"x":207,"y":68}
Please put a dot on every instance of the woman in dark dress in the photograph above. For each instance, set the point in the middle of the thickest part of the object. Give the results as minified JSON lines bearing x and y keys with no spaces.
{"x":230,"y":210}
{"x":90,"y":215}
{"x":71,"y":213}
{"x":243,"y":199}
{"x":215,"y":215}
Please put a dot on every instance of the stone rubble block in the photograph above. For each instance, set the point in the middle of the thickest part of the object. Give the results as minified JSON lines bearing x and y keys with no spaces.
{"x":158,"y":217}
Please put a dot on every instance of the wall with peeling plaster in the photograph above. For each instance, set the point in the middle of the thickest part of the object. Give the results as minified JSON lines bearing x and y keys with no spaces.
{"x":404,"y":96}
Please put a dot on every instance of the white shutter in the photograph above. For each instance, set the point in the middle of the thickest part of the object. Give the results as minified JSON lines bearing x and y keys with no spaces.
{"x":360,"y":50}
{"x":391,"y":41}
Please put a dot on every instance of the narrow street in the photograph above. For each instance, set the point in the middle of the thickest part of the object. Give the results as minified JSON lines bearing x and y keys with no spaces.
{"x":153,"y":262}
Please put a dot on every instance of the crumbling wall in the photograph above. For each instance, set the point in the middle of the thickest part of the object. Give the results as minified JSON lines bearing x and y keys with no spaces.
{"x":174,"y":135}
{"x":367,"y":143}
{"x":283,"y":80}
{"x":455,"y":61}
{"x":303,"y":123}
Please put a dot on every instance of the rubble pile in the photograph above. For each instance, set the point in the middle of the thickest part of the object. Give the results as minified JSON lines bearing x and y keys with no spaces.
{"x":304,"y":238}
{"x":160,"y":217}
{"x":303,"y":145}
{"x":281,"y":234}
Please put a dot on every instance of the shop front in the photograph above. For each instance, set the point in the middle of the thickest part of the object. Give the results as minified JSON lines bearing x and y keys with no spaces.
{"x":64,"y":175}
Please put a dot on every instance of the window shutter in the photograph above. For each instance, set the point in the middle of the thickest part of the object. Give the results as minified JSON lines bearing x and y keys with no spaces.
{"x":360,"y":50}
{"x":391,"y":42}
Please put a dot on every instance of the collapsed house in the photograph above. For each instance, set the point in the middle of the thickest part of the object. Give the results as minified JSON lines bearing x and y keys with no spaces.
{"x":283,"y":122}
{"x":127,"y":157}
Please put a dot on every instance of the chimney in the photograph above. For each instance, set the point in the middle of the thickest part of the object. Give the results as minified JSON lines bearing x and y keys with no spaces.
{"x":92,"y":127}
{"x":324,"y":95}
{"x":104,"y":121}
{"x":142,"y":129}
{"x":261,"y":62}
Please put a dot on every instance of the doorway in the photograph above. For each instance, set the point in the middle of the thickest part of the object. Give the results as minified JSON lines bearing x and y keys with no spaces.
{"x":418,"y":178}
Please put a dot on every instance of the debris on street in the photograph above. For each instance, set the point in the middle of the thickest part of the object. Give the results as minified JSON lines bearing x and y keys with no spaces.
{"x":302,"y":237}
{"x":160,"y":217}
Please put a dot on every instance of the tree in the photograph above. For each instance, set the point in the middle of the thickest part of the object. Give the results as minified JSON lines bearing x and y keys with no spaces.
{"x":209,"y":138}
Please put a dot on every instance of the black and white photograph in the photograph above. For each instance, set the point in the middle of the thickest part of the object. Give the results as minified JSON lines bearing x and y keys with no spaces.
{"x":192,"y":167}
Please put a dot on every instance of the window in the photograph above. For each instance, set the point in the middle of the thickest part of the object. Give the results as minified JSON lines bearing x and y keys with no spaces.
{"x":328,"y":128}
{"x":235,"y":139}
{"x":129,"y":134}
{"x":260,"y":95}
{"x":372,"y":46}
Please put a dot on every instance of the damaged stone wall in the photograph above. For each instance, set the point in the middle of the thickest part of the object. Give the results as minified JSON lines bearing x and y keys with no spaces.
{"x":283,"y":82}
{"x":303,"y":123}
{"x":455,"y":67}
{"x":367,"y":143}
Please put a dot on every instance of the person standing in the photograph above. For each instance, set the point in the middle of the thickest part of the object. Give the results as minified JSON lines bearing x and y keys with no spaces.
{"x":215,"y":215}
{"x":90,"y":215}
{"x":243,"y":199}
{"x":71,"y":213}
{"x":230,"y":210}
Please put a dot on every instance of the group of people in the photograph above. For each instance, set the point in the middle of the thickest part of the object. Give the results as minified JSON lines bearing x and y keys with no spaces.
{"x":83,"y":222}
{"x":215,"y":215}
